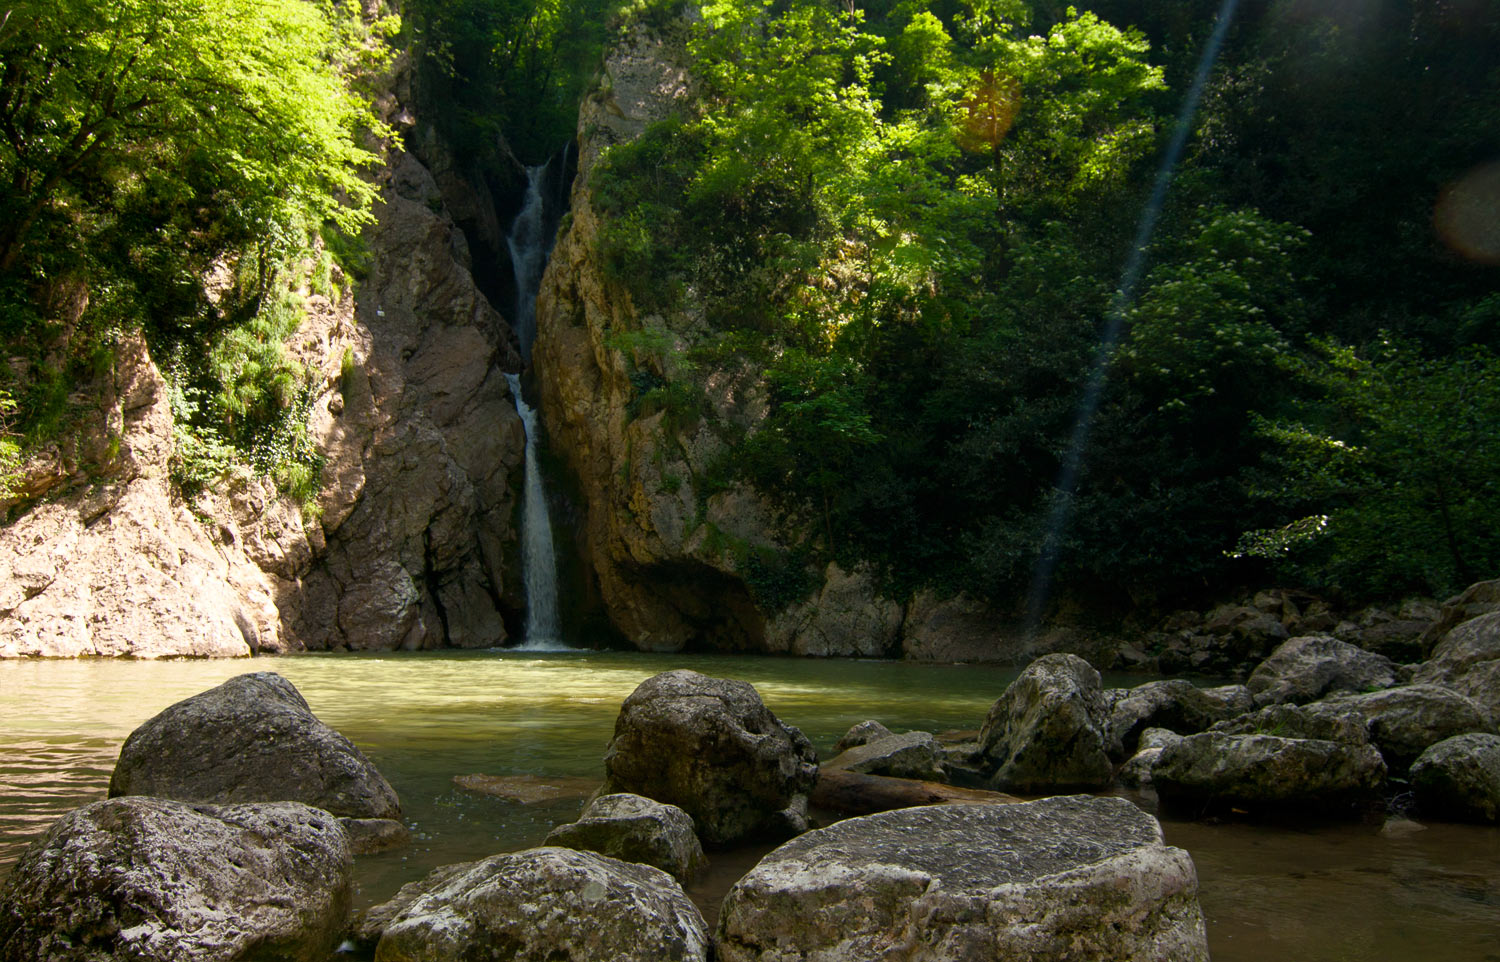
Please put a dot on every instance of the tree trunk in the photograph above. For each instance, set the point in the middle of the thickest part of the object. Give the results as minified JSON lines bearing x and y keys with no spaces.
{"x":851,"y":793}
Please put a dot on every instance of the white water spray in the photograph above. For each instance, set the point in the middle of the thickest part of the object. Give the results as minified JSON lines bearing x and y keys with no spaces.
{"x":530,"y":242}
{"x":538,"y":560}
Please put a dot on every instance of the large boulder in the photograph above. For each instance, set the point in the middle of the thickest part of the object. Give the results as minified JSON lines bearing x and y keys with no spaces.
{"x":1075,"y":878}
{"x":636,"y":829}
{"x":1046,"y":732}
{"x":1459,"y":778}
{"x":912,"y":755}
{"x":1257,"y":773}
{"x":1467,"y":660}
{"x":1136,"y":772}
{"x":545,"y":905}
{"x":252,"y":739}
{"x":1307,"y":668}
{"x":1175,"y":704}
{"x":1403,"y":722}
{"x":153,"y":880}
{"x":711,"y":747}
{"x":1480,"y":598}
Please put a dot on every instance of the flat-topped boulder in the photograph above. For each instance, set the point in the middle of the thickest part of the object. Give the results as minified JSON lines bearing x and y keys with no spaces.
{"x":711,"y":747}
{"x":153,"y":880}
{"x":1046,"y":732}
{"x":910,"y":755}
{"x":1074,"y":877}
{"x":543,"y":905}
{"x":252,"y":739}
{"x":633,"y":828}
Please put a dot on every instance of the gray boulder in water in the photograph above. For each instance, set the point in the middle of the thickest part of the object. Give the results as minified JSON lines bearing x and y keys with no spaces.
{"x":545,"y":905}
{"x":153,"y":880}
{"x":633,"y":828}
{"x":1217,"y":770}
{"x":1078,"y":878}
{"x":1046,"y":732}
{"x":252,"y":739}
{"x":711,"y":747}
{"x":1459,"y":779}
{"x":911,"y":755}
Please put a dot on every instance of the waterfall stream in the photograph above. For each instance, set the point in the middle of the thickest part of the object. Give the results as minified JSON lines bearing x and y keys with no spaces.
{"x":530,"y":242}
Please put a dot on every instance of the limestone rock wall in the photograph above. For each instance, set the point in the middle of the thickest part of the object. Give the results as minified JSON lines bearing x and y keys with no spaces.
{"x":412,"y":544}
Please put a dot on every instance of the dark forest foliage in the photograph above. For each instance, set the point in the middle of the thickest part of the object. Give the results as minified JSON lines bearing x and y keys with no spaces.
{"x":917,"y":214}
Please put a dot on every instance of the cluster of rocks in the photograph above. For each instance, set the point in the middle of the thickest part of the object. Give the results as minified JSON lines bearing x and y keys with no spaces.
{"x":150,"y":878}
{"x":1320,"y":725}
{"x":1232,"y":638}
{"x":234,"y":867}
{"x":229,"y":833}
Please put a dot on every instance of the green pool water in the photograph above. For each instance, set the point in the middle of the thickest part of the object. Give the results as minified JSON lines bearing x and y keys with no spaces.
{"x":1331,"y":893}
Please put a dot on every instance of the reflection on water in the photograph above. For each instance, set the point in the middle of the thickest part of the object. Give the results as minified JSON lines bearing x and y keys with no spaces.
{"x":1341,"y":893}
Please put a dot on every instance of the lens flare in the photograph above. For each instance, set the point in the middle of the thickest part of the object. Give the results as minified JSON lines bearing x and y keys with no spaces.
{"x":1467,"y":216}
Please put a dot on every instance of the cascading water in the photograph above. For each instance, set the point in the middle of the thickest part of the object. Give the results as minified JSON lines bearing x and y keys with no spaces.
{"x":538,"y":561}
{"x":530,"y":242}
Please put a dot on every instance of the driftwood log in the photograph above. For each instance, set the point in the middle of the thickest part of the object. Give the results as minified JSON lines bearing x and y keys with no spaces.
{"x":852,"y":793}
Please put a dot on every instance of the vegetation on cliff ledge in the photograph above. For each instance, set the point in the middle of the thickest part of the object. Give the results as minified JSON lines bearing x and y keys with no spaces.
{"x":149,"y":145}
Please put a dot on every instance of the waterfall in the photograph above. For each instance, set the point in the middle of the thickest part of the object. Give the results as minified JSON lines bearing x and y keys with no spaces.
{"x":530,"y":242}
{"x":538,"y":562}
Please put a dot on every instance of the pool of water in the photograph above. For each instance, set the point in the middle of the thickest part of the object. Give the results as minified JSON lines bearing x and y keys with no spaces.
{"x":1335,"y":893}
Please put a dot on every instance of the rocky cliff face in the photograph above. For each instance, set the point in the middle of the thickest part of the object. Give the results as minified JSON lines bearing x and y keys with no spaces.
{"x":667,"y":543}
{"x":412,"y":545}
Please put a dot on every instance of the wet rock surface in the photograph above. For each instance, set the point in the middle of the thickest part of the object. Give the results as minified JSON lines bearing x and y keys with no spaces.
{"x":544,"y":905}
{"x":154,"y":880}
{"x":251,"y":739}
{"x":636,"y":829}
{"x":711,"y":747}
{"x":1046,"y":732}
{"x":1075,"y":878}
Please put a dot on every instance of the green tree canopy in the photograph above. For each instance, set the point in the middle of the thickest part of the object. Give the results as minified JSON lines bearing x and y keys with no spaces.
{"x":99,"y":99}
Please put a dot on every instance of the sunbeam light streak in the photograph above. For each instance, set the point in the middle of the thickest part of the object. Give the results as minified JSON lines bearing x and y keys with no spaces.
{"x":1093,"y":392}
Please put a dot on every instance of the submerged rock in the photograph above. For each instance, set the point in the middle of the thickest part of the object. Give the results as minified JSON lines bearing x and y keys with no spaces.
{"x":1459,"y":779}
{"x":1046,"y":732}
{"x":712,"y":748}
{"x":153,"y":880}
{"x":1074,"y":878}
{"x":636,"y":829}
{"x":912,"y":755}
{"x":252,"y":739}
{"x":545,"y":905}
{"x":1305,"y":669}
